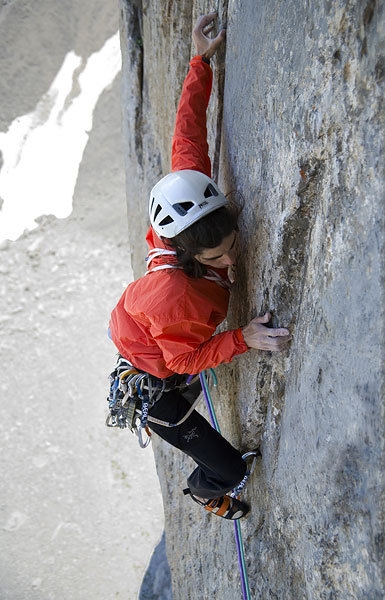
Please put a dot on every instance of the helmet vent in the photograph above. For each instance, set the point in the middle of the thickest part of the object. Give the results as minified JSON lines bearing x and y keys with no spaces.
{"x":166,"y":221}
{"x":182,"y":208}
{"x":210,"y":191}
{"x":157,"y":210}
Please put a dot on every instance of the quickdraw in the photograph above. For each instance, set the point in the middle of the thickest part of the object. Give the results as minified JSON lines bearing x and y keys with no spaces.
{"x":254,"y":454}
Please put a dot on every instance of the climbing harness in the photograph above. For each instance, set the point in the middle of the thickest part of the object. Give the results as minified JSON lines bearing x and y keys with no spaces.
{"x":132,"y":395}
{"x":235,"y":493}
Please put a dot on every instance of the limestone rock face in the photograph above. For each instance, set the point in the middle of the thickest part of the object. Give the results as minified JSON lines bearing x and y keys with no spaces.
{"x":296,"y":133}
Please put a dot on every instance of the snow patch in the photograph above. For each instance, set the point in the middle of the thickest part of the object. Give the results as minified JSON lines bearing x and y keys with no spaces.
{"x":41,"y":152}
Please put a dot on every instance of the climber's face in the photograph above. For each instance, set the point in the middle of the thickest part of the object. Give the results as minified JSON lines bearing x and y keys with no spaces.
{"x":221,"y":256}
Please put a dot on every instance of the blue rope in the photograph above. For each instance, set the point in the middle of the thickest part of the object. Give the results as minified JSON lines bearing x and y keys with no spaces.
{"x":209,"y":403}
{"x":237,"y":525}
{"x":241,"y":560}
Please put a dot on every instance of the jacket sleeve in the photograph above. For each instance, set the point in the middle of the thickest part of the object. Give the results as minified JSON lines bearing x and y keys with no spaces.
{"x":189,"y":143}
{"x":189,"y":347}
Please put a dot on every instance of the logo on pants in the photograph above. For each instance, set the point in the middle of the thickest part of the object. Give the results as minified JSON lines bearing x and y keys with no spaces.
{"x":190,"y":435}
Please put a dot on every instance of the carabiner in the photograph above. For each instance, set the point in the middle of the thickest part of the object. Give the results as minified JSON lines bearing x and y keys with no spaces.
{"x":239,"y":488}
{"x":143,"y":443}
{"x":255,"y":454}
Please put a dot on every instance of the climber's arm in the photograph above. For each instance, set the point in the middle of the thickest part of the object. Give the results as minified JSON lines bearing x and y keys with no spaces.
{"x":189,"y":144}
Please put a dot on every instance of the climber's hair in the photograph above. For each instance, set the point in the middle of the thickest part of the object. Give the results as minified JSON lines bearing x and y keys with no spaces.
{"x":208,"y":232}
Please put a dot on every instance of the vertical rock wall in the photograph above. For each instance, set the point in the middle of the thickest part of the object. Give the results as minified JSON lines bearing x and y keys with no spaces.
{"x":296,"y":131}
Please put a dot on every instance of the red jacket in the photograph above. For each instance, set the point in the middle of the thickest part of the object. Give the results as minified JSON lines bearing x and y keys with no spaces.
{"x":164,"y":322}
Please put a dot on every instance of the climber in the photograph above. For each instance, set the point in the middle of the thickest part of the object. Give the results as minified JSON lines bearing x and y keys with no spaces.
{"x":164,"y":323}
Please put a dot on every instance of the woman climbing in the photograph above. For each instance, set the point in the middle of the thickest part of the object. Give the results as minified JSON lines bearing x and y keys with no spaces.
{"x":164,"y":324}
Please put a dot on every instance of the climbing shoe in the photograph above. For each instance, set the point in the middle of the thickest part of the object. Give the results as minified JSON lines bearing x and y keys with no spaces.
{"x":226,"y":506}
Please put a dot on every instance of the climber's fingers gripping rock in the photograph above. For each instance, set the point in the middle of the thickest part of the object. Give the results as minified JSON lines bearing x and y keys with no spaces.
{"x":207,"y":46}
{"x":260,"y":337}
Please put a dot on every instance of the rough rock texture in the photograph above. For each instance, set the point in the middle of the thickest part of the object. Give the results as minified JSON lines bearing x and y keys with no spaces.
{"x":296,"y":132}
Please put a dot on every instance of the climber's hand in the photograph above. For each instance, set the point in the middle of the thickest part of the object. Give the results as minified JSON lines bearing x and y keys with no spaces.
{"x":205,"y":45}
{"x":260,"y":337}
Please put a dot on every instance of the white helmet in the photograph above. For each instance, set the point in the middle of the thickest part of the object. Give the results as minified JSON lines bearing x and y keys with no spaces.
{"x":182,"y":198}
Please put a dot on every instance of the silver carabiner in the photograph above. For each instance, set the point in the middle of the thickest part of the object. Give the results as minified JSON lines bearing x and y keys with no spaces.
{"x":143,"y":443}
{"x":239,"y":488}
{"x":110,"y":421}
{"x":255,"y":454}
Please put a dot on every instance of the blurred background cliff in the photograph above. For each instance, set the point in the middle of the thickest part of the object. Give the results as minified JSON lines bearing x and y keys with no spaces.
{"x":80,"y":505}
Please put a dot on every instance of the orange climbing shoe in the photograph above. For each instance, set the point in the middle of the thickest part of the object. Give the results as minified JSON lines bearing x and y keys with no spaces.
{"x":226,"y":506}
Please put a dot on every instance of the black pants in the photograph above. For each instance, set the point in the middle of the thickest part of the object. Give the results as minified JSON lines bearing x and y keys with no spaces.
{"x":220,"y":466}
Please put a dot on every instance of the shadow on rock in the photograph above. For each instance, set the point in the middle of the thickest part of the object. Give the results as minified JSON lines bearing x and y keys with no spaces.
{"x":156,"y":583}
